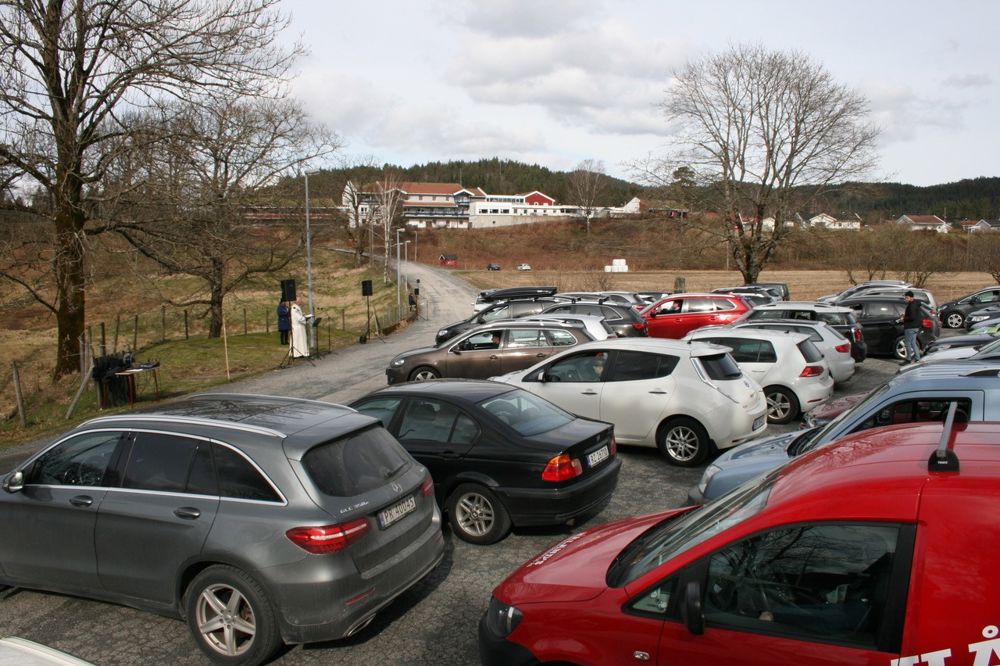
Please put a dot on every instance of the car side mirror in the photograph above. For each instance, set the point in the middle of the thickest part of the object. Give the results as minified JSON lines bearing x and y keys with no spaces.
{"x":455,"y":350}
{"x":691,"y":611}
{"x":14,"y":483}
{"x":541,"y":377}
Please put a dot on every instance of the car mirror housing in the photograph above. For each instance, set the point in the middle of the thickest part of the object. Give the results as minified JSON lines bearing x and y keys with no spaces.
{"x":542,"y":377}
{"x":14,"y":483}
{"x":691,"y":611}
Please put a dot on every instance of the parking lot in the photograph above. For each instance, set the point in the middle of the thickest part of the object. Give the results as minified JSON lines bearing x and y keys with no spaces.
{"x":434,"y":622}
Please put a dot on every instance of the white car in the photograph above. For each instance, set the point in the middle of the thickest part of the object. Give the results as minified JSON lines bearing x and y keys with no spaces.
{"x":596,"y":326}
{"x":680,"y":398}
{"x":523,"y":267}
{"x":795,"y":377}
{"x":836,"y":349}
{"x":16,"y":651}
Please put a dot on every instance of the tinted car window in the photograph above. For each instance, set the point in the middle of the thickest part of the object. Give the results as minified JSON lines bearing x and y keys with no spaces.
{"x":431,"y":420}
{"x":883,"y":309}
{"x":747,"y":351}
{"x":583,"y":367}
{"x":635,"y":366}
{"x":560,"y":338}
{"x":159,"y":461}
{"x":80,"y":461}
{"x":355,"y":464}
{"x":817,"y":582}
{"x":720,"y":367}
{"x":500,"y":312}
{"x":610,"y":314}
{"x":381,"y":408}
{"x":913,"y":411}
{"x":809,"y":352}
{"x":527,"y":413}
{"x":239,"y":479}
{"x":201,"y":479}
{"x":836,"y":318}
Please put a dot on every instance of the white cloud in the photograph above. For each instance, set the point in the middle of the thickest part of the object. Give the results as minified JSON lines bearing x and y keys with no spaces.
{"x":969,"y":81}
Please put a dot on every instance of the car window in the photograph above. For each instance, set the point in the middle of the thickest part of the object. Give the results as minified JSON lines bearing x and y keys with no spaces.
{"x":720,"y":367}
{"x":381,"y":408}
{"x":825,"y":582}
{"x":582,"y":367}
{"x":500,"y":312}
{"x":79,"y":461}
{"x":747,"y":351}
{"x":699,"y":305}
{"x":611,"y":314}
{"x":239,"y":479}
{"x":159,"y":461}
{"x":883,"y":309}
{"x":481,"y":340}
{"x":429,"y":420}
{"x":670,"y":307}
{"x":532,"y":337}
{"x":355,"y":464}
{"x":527,"y":413}
{"x":809,"y":352}
{"x":559,"y":338}
{"x":914,"y":411}
{"x":722,"y":304}
{"x":835,"y":318}
{"x":635,"y":366}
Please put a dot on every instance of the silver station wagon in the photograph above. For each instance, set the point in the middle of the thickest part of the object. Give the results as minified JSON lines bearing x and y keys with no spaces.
{"x":257,"y":519}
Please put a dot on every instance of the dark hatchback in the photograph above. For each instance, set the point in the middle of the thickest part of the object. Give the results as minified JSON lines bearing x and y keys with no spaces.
{"x":881,"y":322}
{"x":500,"y":456}
{"x":517,"y":307}
{"x":623,"y":319}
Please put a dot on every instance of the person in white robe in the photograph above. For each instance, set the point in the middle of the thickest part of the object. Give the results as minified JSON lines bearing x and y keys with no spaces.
{"x":300,"y":331}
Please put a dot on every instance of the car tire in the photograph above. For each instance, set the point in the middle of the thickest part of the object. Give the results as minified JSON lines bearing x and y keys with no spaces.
{"x":230,"y":617}
{"x":782,"y":405}
{"x":423,"y":373}
{"x":954,"y":320}
{"x":477,"y":515}
{"x":683,"y":442}
{"x":899,"y":348}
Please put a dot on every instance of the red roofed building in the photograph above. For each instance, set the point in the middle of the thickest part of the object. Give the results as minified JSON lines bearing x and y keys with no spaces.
{"x":924,"y":222}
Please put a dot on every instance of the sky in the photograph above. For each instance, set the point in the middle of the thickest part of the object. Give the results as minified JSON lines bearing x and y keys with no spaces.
{"x":558,"y":82}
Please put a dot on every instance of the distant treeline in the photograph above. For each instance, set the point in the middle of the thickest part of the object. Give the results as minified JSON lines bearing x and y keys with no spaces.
{"x":976,"y":198}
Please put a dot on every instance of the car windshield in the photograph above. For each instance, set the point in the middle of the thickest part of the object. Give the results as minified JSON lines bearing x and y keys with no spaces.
{"x":670,"y":538}
{"x":822,"y":435}
{"x":988,"y":348}
{"x":526,"y":413}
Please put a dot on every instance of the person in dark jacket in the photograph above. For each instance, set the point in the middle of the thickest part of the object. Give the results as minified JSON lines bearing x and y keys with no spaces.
{"x":912,"y":319}
{"x":284,"y":322}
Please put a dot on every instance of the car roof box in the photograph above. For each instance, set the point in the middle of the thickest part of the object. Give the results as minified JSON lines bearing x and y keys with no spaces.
{"x":516,"y":292}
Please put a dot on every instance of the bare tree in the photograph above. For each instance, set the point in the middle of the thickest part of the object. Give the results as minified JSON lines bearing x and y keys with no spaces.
{"x":191,"y":189}
{"x":360,"y":218}
{"x":70,"y":72}
{"x":766,"y":133}
{"x":587,"y":184}
{"x":387,"y":197}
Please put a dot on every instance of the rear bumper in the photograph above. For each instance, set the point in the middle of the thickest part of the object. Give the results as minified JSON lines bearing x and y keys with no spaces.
{"x":555,"y":506}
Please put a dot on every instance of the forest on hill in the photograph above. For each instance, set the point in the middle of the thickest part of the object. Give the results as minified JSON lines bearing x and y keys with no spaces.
{"x":975,"y":198}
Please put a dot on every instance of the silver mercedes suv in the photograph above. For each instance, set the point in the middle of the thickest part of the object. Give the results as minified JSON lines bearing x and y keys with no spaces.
{"x":257,"y":519}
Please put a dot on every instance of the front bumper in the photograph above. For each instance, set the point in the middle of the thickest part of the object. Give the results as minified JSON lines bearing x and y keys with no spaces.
{"x":497,"y":651}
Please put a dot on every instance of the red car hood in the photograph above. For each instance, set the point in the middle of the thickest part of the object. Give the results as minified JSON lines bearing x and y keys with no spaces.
{"x":575,"y":568}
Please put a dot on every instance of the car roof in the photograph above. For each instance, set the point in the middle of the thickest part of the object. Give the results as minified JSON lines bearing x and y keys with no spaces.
{"x":964,"y":373}
{"x":753,"y":334}
{"x":465,"y":390}
{"x":803,"y":305}
{"x":780,"y":321}
{"x":883,"y":469}
{"x":656,"y":345}
{"x":299,"y":423}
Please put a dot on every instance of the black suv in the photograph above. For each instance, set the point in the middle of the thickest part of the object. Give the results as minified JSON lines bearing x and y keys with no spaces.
{"x":881,"y":320}
{"x":623,"y":319}
{"x":508,"y":309}
{"x":953,"y":313}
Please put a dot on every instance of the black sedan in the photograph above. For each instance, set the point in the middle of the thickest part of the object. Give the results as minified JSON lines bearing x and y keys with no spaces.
{"x":500,"y":456}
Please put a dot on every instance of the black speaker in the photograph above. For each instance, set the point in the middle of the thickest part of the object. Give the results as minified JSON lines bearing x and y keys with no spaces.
{"x":366,"y":287}
{"x":288,"y":290}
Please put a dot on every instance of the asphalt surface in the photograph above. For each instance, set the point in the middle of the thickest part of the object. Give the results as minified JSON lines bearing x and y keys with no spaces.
{"x":434,"y":622}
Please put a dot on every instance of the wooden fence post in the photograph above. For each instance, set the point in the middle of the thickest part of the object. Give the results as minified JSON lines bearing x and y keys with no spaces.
{"x":343,"y":319}
{"x":244,"y":321}
{"x":135,"y":333}
{"x":18,"y":396}
{"x":163,"y":323}
{"x":104,"y":342}
{"x":185,"y":324}
{"x":118,"y":324}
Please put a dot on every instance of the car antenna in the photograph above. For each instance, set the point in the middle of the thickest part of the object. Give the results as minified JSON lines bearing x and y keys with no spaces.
{"x":944,"y":459}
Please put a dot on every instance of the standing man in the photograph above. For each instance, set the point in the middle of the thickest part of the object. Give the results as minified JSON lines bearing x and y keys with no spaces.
{"x":912,"y":319}
{"x":284,"y":322}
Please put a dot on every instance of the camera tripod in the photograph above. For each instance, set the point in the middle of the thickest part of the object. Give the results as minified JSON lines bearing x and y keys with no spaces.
{"x":368,"y":326}
{"x":290,"y":354}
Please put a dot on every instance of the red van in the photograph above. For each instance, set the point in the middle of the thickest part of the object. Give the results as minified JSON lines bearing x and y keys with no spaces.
{"x":882,"y":549}
{"x":677,"y":315}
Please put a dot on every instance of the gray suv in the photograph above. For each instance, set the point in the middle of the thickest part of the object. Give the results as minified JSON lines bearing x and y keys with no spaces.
{"x":257,"y":519}
{"x":918,"y":395}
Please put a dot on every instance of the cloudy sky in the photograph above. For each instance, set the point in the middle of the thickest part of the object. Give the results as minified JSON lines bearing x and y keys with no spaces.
{"x":556,"y":82}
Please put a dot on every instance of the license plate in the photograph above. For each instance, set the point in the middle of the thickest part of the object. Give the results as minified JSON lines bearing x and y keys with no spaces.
{"x":598,"y":456}
{"x":759,"y":422}
{"x":388,"y":516}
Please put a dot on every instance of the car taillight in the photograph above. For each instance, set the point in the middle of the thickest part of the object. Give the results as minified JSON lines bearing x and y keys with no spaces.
{"x":562,"y":468}
{"x":639,"y":325}
{"x":427,"y":487}
{"x":844,"y":348}
{"x":857,"y":334}
{"x":811,"y":371}
{"x":926,"y":323}
{"x":328,"y":538}
{"x":613,"y":447}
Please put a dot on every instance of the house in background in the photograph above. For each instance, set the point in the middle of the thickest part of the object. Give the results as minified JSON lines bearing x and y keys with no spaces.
{"x":982,"y":225}
{"x":924,"y":223}
{"x":846,"y":222}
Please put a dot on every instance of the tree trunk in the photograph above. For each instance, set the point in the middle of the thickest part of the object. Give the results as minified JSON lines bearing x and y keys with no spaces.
{"x":216,"y":298}
{"x":70,"y":289}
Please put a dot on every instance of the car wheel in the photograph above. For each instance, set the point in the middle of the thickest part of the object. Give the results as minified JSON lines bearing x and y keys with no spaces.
{"x":899,"y":348}
{"x":477,"y":515}
{"x":230,"y":617}
{"x":954,"y":320}
{"x":423,"y":373}
{"x":683,"y":442}
{"x":782,"y":406}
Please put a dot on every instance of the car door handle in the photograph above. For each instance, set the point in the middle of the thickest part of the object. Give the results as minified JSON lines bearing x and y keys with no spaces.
{"x":540,"y":355}
{"x":588,"y":392}
{"x":658,"y":392}
{"x":81,"y":500}
{"x":494,"y":357}
{"x":449,"y":454}
{"x":187,"y":512}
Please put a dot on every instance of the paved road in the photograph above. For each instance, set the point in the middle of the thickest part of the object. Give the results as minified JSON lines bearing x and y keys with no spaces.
{"x":435,"y":622}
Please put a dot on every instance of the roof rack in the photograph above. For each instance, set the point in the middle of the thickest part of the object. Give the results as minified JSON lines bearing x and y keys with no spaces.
{"x":944,"y":458}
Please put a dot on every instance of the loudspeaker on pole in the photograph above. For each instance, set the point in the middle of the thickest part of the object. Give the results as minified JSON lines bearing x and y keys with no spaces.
{"x":366,"y":287}
{"x":288,"y":290}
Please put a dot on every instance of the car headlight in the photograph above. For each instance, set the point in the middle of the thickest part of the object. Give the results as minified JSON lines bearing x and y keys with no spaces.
{"x":443,"y":332}
{"x":396,"y":362}
{"x":501,"y":618}
{"x":710,"y":471}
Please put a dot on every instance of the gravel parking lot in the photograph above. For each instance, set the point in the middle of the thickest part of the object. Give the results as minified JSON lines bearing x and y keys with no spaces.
{"x":433,"y":623}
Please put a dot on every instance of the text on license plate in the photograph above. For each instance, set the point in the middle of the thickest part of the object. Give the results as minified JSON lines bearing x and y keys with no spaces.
{"x":598,"y":456}
{"x":759,"y":422}
{"x":388,"y":516}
